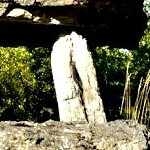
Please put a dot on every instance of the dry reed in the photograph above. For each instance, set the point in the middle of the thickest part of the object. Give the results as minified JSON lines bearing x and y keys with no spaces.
{"x":141,"y":109}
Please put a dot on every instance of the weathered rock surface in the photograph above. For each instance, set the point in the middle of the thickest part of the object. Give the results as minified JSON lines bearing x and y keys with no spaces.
{"x":51,"y":135}
{"x":18,"y":12}
{"x":3,"y":8}
{"x":46,"y":2}
{"x":24,"y":2}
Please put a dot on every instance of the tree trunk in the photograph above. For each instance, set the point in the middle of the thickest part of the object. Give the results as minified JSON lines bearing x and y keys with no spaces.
{"x":72,"y":65}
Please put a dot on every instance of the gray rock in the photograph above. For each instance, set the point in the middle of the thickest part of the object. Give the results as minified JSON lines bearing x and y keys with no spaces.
{"x":46,"y":2}
{"x":18,"y":12}
{"x":52,"y":135}
{"x":56,"y":2}
{"x":3,"y":8}
{"x":24,"y":2}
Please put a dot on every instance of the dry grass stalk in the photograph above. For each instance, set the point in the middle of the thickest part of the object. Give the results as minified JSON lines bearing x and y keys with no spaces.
{"x":141,"y":109}
{"x":142,"y":105}
{"x":126,"y":100}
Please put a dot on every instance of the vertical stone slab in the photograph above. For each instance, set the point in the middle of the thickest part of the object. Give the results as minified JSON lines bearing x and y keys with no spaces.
{"x":67,"y":91}
{"x":70,"y":56}
{"x":84,"y":65}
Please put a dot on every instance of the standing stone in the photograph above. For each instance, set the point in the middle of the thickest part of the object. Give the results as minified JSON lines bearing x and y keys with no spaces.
{"x":85,"y":67}
{"x":70,"y":56}
{"x":67,"y":90}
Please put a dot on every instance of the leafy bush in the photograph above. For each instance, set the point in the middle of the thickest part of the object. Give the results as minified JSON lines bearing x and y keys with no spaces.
{"x":25,"y":84}
{"x":111,"y":69}
{"x":15,"y":78}
{"x":111,"y":65}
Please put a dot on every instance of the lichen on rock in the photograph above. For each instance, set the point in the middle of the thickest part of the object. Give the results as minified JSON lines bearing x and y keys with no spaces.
{"x":52,"y":135}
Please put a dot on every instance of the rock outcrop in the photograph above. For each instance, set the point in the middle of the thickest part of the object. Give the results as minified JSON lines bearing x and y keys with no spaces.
{"x":51,"y":135}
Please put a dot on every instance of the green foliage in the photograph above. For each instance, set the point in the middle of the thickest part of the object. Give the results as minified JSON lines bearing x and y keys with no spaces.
{"x":15,"y":78}
{"x":142,"y":56}
{"x":44,"y":94}
{"x":111,"y":67}
{"x":147,"y":7}
{"x":25,"y":84}
{"x":112,"y":63}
